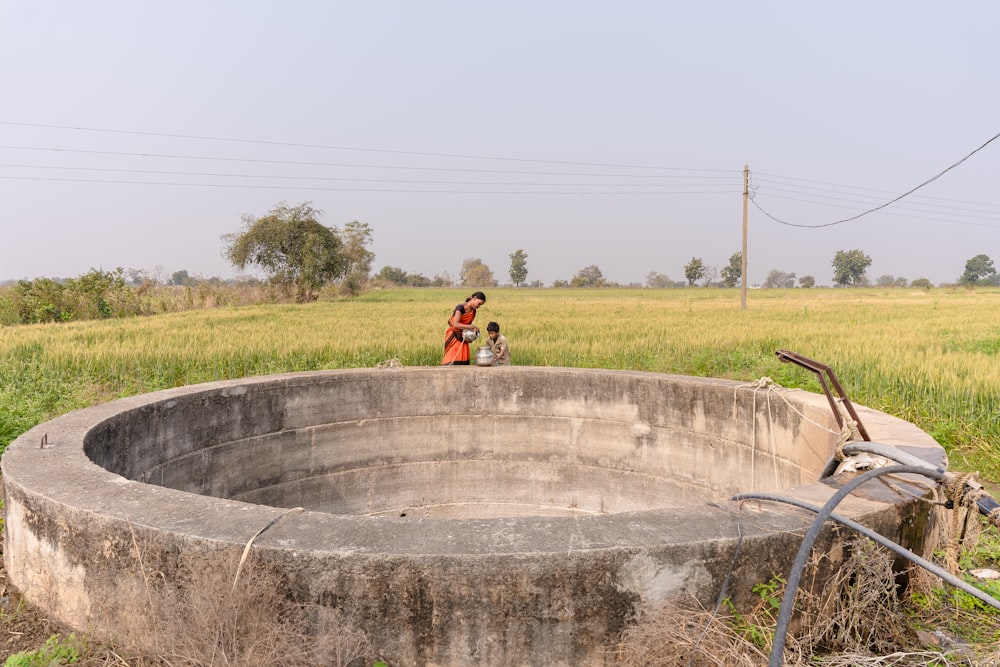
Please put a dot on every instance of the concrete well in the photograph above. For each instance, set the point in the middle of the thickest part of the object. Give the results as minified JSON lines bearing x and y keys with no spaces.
{"x":460,"y":516}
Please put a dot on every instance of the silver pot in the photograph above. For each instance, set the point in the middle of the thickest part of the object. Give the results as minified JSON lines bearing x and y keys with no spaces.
{"x":469,"y":335}
{"x":485,"y":357}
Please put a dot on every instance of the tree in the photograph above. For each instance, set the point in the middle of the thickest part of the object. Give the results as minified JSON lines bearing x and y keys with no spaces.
{"x":180,"y":277}
{"x":978,"y":271}
{"x":921,"y":283}
{"x":518,"y":267}
{"x":442,"y":280}
{"x":732,"y":272}
{"x":708,"y":275}
{"x":779,"y":279}
{"x":355,"y":238}
{"x":392,"y":274}
{"x":476,"y":274}
{"x":291,"y":247}
{"x":807,"y":281}
{"x":849,"y":267}
{"x":654,"y":279}
{"x":694,"y":270}
{"x":589,"y":276}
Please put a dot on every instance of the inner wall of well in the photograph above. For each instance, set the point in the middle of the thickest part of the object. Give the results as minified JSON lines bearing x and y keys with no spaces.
{"x":475,"y":443}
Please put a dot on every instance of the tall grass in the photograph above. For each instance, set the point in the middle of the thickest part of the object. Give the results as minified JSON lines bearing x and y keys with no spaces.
{"x":928,"y":357}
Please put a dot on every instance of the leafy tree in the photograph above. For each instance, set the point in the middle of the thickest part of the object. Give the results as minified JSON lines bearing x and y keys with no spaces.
{"x":180,"y":277}
{"x":779,"y":279}
{"x":885,"y":280}
{"x":978,"y":271}
{"x":518,"y":267}
{"x":355,"y":238}
{"x":589,"y":276}
{"x":654,"y":279}
{"x":392,"y":274}
{"x":807,"y":281}
{"x":476,"y":274}
{"x":694,"y":270}
{"x":921,"y":283}
{"x":849,"y":267}
{"x":291,"y":247}
{"x":732,"y":272}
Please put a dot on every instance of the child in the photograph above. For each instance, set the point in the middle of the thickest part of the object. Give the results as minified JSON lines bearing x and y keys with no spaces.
{"x":498,"y":343}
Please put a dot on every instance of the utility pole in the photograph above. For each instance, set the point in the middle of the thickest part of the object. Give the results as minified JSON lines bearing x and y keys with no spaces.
{"x":743,"y":254}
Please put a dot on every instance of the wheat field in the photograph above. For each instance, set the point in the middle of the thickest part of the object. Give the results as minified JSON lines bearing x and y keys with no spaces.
{"x":928,"y":356}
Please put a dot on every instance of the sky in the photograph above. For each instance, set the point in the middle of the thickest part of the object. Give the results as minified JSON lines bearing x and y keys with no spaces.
{"x":615,"y":134}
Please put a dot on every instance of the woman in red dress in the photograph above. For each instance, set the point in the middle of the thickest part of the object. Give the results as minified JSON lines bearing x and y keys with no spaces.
{"x":456,"y":350}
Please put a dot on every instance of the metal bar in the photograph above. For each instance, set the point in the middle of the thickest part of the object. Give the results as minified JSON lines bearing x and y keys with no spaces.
{"x":819,"y":369}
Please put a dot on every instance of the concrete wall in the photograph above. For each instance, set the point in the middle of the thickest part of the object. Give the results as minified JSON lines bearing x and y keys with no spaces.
{"x":499,"y":515}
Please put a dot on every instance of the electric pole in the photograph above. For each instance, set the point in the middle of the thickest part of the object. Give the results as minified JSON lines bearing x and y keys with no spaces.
{"x":743,"y":254}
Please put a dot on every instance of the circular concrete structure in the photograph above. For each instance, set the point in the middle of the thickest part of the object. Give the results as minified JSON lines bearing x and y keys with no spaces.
{"x":493,"y":516}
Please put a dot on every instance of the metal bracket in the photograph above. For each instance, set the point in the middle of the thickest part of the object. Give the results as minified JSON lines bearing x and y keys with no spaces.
{"x":819,"y":369}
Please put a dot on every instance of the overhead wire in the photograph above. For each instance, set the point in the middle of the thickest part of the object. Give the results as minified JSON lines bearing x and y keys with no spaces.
{"x":752,"y":194}
{"x":340,"y":178}
{"x":348,"y":189}
{"x":906,"y":211}
{"x":911,"y":216}
{"x":855,"y":193}
{"x":666,"y":180}
{"x":733,"y":175}
{"x":347,"y":148}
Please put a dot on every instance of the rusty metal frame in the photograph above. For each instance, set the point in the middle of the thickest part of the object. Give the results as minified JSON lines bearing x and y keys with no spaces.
{"x":819,"y":369}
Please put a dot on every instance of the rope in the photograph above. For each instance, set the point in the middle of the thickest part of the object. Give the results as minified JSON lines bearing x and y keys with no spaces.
{"x":962,"y":529}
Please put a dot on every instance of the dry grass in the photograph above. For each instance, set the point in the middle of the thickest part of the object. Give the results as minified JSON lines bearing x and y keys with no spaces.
{"x":200,"y":619}
{"x":233,"y":612}
{"x":855,"y":619}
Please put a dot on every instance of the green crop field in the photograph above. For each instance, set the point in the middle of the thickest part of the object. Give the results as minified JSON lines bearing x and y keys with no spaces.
{"x":930,"y":357}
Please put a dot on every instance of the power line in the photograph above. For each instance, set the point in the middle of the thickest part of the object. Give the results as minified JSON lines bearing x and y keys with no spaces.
{"x":858,"y":191}
{"x":348,"y":148}
{"x":171,"y":156}
{"x":902,"y":215}
{"x":345,"y":178}
{"x":916,"y":206}
{"x":888,"y":203}
{"x":329,"y":189}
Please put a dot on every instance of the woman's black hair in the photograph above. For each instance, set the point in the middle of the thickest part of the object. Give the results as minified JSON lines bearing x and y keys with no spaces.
{"x":478,"y":295}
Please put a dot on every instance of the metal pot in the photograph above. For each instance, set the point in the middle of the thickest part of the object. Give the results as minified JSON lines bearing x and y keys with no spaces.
{"x":485,"y":357}
{"x":469,"y":335}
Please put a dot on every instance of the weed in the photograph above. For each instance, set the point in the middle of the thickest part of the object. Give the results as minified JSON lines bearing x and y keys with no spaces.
{"x":57,"y":651}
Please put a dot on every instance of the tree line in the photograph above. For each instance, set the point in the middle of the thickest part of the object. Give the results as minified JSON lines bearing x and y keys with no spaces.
{"x":294,"y":249}
{"x":301,"y":258}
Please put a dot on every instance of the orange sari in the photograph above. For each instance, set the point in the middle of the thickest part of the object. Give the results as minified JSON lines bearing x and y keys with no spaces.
{"x":456,"y":350}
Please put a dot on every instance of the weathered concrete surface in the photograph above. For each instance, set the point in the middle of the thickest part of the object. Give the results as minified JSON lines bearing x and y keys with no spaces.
{"x":495,"y":516}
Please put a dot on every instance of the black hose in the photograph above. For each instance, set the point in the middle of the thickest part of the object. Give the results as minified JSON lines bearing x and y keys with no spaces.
{"x":795,"y":575}
{"x":884,"y":541}
{"x":985,"y":503}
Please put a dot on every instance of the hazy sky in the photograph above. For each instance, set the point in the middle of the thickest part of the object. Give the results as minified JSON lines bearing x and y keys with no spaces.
{"x":607,"y":133}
